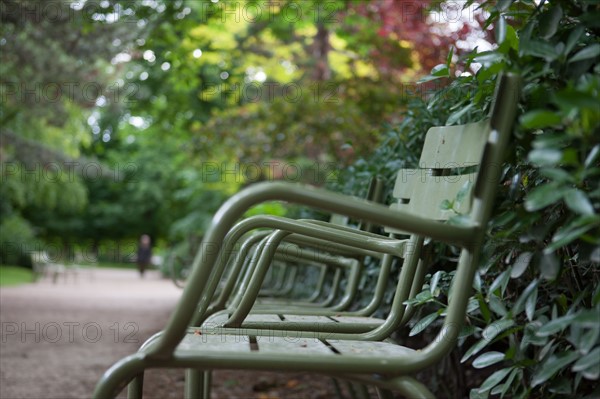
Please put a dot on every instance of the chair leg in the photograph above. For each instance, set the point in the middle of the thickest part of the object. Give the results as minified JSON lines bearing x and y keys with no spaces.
{"x":194,"y":384}
{"x":350,"y":388}
{"x":136,"y":387}
{"x":362,"y":392}
{"x":337,"y":388}
{"x":411,"y":388}
{"x":207,"y":383}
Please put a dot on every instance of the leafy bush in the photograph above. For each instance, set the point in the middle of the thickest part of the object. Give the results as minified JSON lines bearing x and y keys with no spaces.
{"x":16,"y":240}
{"x":533,"y":326}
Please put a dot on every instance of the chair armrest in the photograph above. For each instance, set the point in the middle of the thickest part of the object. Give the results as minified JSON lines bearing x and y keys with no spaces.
{"x":327,"y":200}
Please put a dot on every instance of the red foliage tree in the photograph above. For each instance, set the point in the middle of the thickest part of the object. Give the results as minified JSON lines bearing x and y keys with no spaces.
{"x":431,"y":26}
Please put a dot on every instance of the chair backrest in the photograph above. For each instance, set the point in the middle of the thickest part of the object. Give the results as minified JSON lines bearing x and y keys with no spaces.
{"x":448,"y":165}
{"x":449,"y":155}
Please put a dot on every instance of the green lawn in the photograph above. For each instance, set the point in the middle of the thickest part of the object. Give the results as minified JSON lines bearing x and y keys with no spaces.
{"x":14,"y":275}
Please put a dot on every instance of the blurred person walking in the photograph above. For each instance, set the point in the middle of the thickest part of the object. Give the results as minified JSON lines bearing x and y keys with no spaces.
{"x":144,"y":254}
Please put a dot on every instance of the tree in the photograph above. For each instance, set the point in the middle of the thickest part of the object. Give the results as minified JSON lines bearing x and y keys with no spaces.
{"x":54,"y":68}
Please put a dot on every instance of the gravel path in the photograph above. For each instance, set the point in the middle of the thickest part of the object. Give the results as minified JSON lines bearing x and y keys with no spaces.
{"x":57,"y":339}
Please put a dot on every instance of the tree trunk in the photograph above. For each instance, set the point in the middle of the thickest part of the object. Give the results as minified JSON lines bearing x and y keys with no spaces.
{"x":320,"y":52}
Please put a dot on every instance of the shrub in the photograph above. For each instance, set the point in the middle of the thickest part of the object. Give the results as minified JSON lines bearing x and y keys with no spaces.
{"x":16,"y":239}
{"x":533,"y":325}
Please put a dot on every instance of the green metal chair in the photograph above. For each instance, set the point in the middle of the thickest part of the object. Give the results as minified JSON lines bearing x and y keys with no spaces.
{"x":284,"y":281}
{"x":317,"y":256}
{"x":294,"y":259}
{"x":358,"y":357}
{"x":244,"y":256}
{"x":325,"y":308}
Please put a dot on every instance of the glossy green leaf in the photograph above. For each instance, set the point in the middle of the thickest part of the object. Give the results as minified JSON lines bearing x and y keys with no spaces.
{"x":446,"y":205}
{"x":494,"y":379}
{"x":508,"y":382}
{"x":503,"y":5}
{"x":449,"y":57}
{"x":466,"y":331}
{"x":483,"y":308}
{"x":434,"y":281}
{"x":475,"y":394}
{"x":544,"y":195}
{"x":531,"y":303}
{"x":500,"y":282}
{"x":487,"y":359}
{"x":549,"y":21}
{"x":547,"y":350}
{"x":591,"y":362}
{"x":539,"y":49}
{"x":464,"y":190}
{"x":540,"y":118}
{"x":497,"y":306}
{"x":592,"y":156}
{"x":473,"y":350}
{"x":557,"y":174}
{"x":488,"y":57}
{"x":428,"y":78}
{"x":552,"y":366}
{"x":588,"y":339}
{"x":477,"y":282}
{"x":530,"y":337}
{"x":423,"y":323}
{"x":473,"y":305}
{"x":519,"y":304}
{"x":588,"y":318}
{"x":424,"y":296}
{"x":521,"y":264}
{"x":570,"y":100}
{"x":573,"y":38}
{"x":440,"y":70}
{"x":545,"y":156}
{"x":578,"y":202}
{"x":511,"y":38}
{"x":504,"y":218}
{"x":549,"y":266}
{"x":454,"y":117}
{"x":591,"y":51}
{"x":501,"y":29}
{"x":572,"y":231}
{"x":556,"y":325}
{"x":497,"y":327}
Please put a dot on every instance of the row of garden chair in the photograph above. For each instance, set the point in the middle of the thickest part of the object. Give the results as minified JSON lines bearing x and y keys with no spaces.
{"x":292,"y":253}
{"x":449,"y":159}
{"x":280,"y":282}
{"x":304,"y":257}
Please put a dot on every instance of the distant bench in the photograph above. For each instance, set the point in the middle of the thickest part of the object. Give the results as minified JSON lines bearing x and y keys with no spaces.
{"x":44,"y":266}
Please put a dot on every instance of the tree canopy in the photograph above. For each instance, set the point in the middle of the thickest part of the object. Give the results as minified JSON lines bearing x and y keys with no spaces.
{"x":164,"y":108}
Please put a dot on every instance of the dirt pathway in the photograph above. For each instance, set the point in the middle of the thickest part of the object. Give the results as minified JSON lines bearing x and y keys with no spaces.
{"x":57,"y":339}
